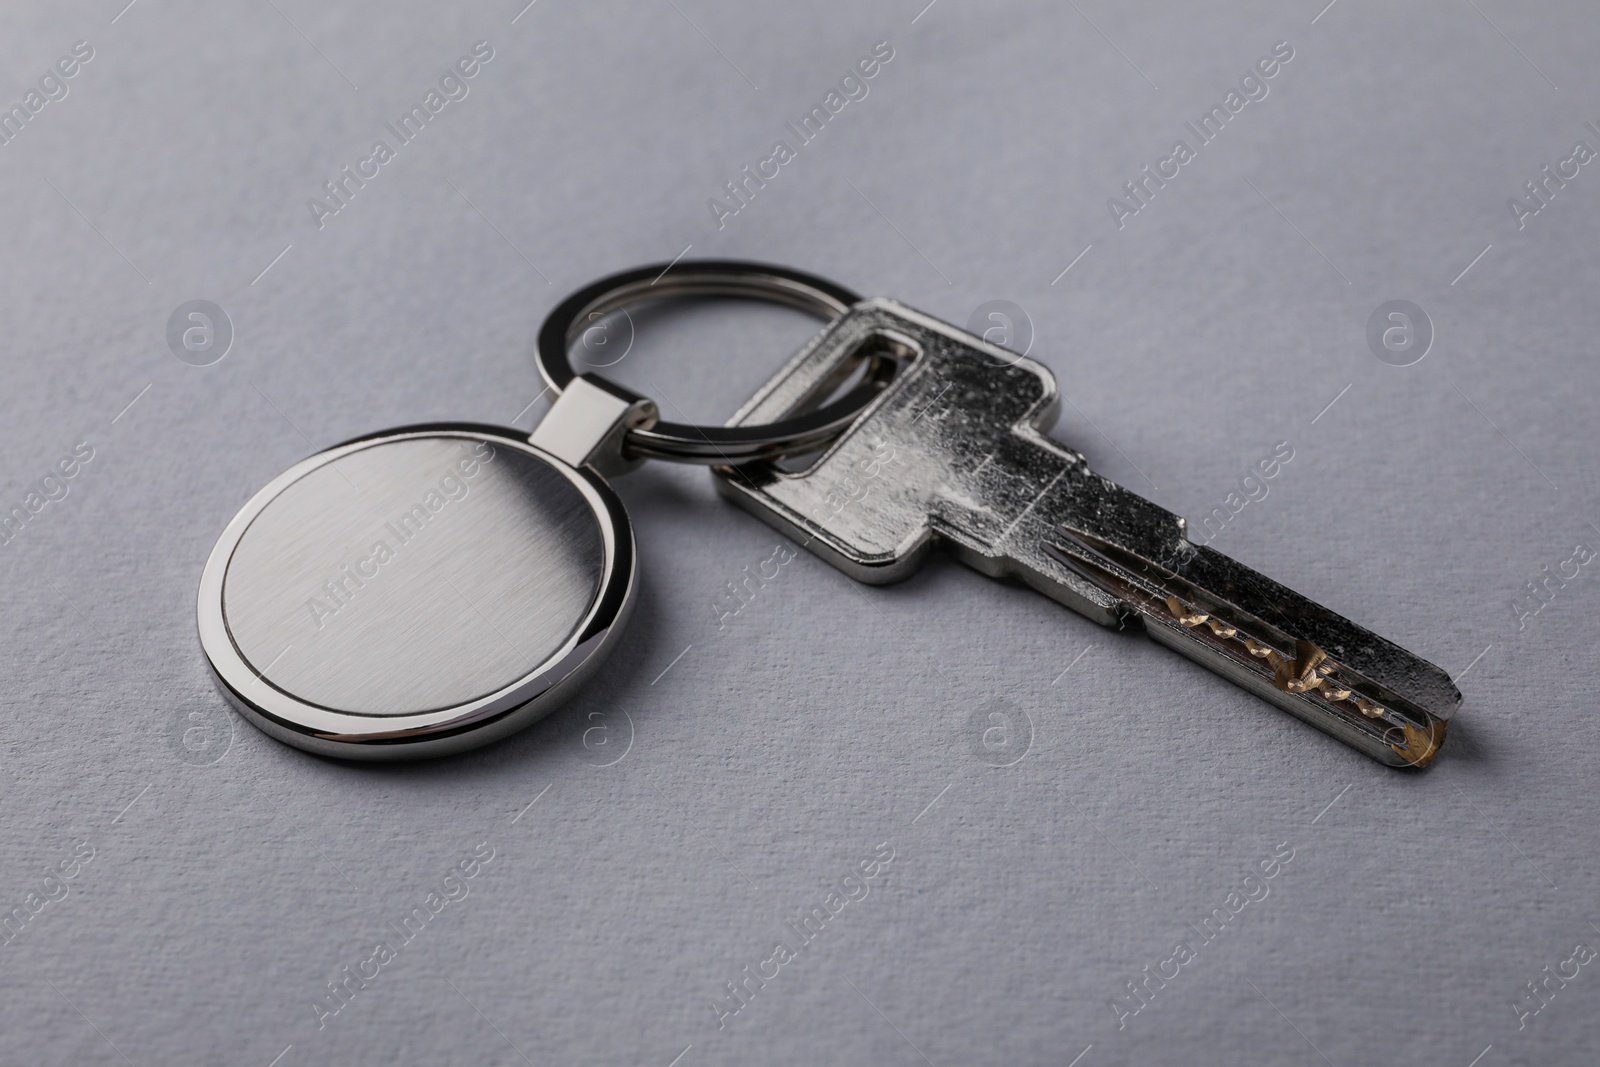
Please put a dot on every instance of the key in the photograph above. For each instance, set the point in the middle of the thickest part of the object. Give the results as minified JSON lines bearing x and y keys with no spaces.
{"x":953,"y":454}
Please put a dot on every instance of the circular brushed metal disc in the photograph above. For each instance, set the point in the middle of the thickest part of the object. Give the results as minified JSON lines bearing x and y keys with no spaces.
{"x":416,"y":593}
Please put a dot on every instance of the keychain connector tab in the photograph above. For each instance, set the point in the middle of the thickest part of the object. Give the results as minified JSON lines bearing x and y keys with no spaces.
{"x":589,"y":422}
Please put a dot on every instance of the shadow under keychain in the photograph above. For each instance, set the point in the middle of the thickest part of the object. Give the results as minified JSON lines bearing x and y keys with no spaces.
{"x":431,"y":588}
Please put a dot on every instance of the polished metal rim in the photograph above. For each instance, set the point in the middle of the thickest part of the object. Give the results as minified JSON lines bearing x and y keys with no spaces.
{"x":350,"y":735}
{"x":756,"y":281}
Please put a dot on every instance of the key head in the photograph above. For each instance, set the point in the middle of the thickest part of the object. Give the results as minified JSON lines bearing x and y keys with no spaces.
{"x":954,"y":451}
{"x":416,"y":593}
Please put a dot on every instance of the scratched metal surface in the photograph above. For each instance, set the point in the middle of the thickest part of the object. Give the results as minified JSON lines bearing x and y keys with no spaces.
{"x":953,"y":455}
{"x":1004,"y":813}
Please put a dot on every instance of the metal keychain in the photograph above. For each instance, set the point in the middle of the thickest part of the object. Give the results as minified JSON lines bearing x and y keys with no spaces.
{"x":432,"y":588}
{"x":953,"y":453}
{"x":427,"y":589}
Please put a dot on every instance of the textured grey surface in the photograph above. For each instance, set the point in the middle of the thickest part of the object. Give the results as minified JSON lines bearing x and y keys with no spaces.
{"x":729,"y":770}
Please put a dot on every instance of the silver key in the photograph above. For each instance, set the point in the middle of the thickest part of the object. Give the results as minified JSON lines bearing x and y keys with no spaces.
{"x":953,"y":453}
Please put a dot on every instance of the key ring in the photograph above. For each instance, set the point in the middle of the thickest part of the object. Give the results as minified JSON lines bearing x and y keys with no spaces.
{"x":708,"y":444}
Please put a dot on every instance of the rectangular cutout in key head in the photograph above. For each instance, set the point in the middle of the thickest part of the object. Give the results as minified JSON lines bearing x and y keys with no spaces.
{"x":826,"y":364}
{"x":878,"y":360}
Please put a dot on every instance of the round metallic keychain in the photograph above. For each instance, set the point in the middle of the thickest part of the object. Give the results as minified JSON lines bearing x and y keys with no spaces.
{"x":428,"y":589}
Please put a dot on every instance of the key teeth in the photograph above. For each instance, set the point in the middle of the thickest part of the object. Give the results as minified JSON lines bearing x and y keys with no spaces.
{"x":1308,"y":671}
{"x":1222,"y":630}
{"x":1187,"y":617}
{"x":1182,"y":613}
{"x":1421,"y":745}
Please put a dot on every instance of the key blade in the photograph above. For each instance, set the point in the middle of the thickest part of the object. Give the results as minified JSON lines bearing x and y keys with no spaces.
{"x":1301,"y":656}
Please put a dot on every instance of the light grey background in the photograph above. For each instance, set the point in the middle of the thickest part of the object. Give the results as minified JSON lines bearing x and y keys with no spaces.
{"x":768,"y":757}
